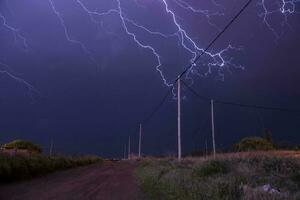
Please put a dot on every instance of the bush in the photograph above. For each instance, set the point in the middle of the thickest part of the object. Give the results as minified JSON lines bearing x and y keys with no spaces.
{"x":296,"y":178}
{"x":228,"y":178}
{"x":253,"y":144}
{"x":280,"y":165}
{"x":21,"y":167}
{"x":21,"y":144}
{"x":211,"y":168}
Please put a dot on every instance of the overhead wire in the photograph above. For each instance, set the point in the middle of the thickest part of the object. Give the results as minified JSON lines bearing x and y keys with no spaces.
{"x":156,"y":108}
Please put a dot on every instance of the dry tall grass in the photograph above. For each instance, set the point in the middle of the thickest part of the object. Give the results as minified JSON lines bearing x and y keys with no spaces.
{"x":231,"y":176}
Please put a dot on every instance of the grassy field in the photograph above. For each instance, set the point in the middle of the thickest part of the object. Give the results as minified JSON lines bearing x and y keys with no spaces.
{"x":245,"y":176}
{"x":19,"y":167}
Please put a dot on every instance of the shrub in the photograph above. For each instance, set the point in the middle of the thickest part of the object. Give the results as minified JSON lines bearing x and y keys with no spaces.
{"x":210,"y":168}
{"x":229,"y":178}
{"x":296,"y":178}
{"x":21,"y":144}
{"x":280,"y":165}
{"x":253,"y":144}
{"x":21,"y":167}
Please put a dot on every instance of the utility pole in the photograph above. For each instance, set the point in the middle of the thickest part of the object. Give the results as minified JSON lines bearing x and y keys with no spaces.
{"x":129,"y":148}
{"x":140,"y":140}
{"x":213,"y":127}
{"x":51,"y":148}
{"x":124,"y":151}
{"x":205,"y":148}
{"x":179,"y":118}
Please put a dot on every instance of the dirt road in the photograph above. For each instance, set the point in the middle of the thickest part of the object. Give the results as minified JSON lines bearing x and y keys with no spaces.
{"x":106,"y":181}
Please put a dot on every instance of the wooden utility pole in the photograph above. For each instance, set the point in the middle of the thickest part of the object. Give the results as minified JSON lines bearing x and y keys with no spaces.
{"x":179,"y":118}
{"x":124,"y":151}
{"x":205,"y":148}
{"x":213,"y":127}
{"x":51,"y":148}
{"x":140,"y":141}
{"x":129,"y":147}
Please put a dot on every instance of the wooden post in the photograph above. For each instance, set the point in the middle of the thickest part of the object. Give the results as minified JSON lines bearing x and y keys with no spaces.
{"x":213,"y":128}
{"x":140,"y":141}
{"x":129,"y":148}
{"x":179,"y":119}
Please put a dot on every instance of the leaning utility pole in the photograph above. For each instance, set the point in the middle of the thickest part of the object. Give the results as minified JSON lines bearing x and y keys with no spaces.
{"x":140,"y":140}
{"x":179,"y":118}
{"x":129,"y":148}
{"x":213,"y":127}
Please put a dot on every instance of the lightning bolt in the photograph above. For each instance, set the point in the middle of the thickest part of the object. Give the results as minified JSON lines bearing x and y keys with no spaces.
{"x":284,"y":7}
{"x":288,"y":6}
{"x":140,"y":44}
{"x":206,"y":13}
{"x":124,"y":22}
{"x":218,"y":59}
{"x":67,"y":34}
{"x":93,"y":13}
{"x":6,"y":71}
{"x":16,"y":32}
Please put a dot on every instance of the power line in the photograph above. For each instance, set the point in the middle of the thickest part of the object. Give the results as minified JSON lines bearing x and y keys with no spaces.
{"x":240,"y":104}
{"x":215,"y":39}
{"x":157,"y":107}
{"x":203,"y":98}
{"x":186,"y":70}
{"x":196,"y":59}
{"x":259,"y":107}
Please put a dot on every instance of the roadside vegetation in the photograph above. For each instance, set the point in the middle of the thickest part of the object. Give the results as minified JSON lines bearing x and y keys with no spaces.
{"x":229,"y":177}
{"x":253,"y":144}
{"x":21,"y":159}
{"x":23,"y":145}
{"x":254,"y":169}
{"x":20,"y":167}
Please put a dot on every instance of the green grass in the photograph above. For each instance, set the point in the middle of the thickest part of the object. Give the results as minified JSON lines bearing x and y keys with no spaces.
{"x":227,"y":178}
{"x":19,"y":167}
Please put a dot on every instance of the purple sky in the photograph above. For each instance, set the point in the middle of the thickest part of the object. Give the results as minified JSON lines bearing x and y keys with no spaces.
{"x":83,"y":79}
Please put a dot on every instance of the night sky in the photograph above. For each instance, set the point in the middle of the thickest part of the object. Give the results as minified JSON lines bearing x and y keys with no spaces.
{"x":81,"y":80}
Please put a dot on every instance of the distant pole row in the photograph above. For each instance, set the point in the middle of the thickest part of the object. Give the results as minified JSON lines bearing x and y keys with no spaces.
{"x":179,"y":149}
{"x":179,"y":155}
{"x":129,"y":144}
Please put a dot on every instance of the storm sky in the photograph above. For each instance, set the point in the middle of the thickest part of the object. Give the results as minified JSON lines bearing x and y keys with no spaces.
{"x":84,"y":73}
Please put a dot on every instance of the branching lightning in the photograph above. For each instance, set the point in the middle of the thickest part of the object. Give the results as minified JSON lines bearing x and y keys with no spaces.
{"x":283,"y":7}
{"x":206,"y":13}
{"x":124,"y":22}
{"x":16,"y":32}
{"x":5,"y":70}
{"x":217,"y":60}
{"x":67,"y":35}
{"x":139,"y":43}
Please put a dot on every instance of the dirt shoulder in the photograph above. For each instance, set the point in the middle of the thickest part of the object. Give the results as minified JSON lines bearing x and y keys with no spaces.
{"x":109,"y":181}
